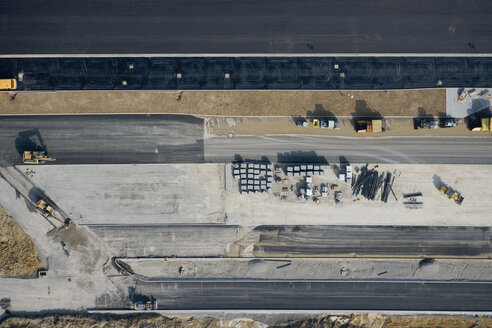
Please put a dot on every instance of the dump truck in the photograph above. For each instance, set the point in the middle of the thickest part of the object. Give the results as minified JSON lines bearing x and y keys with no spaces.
{"x":8,"y":84}
{"x":485,"y":125}
{"x":362,"y":126}
{"x":44,"y":208}
{"x":451,"y":194}
{"x":36,"y":157}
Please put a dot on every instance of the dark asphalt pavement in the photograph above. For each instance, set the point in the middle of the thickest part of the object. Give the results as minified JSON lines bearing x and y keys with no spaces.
{"x":104,"y":139}
{"x":262,"y":73}
{"x":316,"y":295}
{"x":204,"y":26}
{"x":393,"y":241}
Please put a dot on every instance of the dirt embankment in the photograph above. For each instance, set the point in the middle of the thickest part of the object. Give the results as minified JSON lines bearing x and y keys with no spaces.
{"x":230,"y":103}
{"x":18,"y":255}
{"x":369,"y":320}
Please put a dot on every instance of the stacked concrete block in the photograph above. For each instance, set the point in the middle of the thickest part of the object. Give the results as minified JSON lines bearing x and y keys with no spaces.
{"x":251,"y":176}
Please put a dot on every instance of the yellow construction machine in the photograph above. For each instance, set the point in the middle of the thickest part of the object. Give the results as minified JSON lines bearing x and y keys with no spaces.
{"x":36,"y":157}
{"x":363,"y":126}
{"x":8,"y":84}
{"x":44,"y":208}
{"x":451,"y":194}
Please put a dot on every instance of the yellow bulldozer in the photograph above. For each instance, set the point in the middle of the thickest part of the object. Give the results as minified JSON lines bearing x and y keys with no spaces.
{"x":36,"y":157}
{"x":451,"y":194}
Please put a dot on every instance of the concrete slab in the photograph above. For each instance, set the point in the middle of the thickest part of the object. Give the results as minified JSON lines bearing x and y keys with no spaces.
{"x":167,"y":240}
{"x":315,"y":268}
{"x":135,"y":194}
{"x":195,"y":194}
{"x":471,"y":106}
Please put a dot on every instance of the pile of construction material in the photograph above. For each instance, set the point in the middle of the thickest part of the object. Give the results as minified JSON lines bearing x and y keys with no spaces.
{"x":372,"y":185}
{"x":473,"y":94}
{"x":253,"y":177}
{"x":306,"y":170}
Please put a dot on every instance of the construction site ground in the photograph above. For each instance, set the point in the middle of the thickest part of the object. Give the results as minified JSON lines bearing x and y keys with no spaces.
{"x":153,"y":320}
{"x":308,"y":268}
{"x":195,"y":193}
{"x":230,"y":103}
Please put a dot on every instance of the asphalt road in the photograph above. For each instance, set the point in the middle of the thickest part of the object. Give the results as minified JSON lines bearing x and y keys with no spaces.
{"x":161,"y":138}
{"x":319,"y":295}
{"x":246,"y":73}
{"x":401,"y":150}
{"x":393,"y":241}
{"x":201,"y":26}
{"x":104,"y":139}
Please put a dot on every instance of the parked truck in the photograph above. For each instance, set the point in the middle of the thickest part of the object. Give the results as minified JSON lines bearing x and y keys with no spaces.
{"x":362,"y":126}
{"x":485,"y":124}
{"x":8,"y":84}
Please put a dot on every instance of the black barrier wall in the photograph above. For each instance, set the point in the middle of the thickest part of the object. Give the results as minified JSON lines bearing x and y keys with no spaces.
{"x":241,"y":73}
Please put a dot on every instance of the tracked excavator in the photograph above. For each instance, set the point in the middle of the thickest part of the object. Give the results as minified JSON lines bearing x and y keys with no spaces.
{"x":36,"y":157}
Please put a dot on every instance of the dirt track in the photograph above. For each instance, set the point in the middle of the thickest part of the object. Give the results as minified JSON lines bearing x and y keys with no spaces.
{"x":370,"y":320}
{"x":234,"y":103}
{"x":17,"y":252}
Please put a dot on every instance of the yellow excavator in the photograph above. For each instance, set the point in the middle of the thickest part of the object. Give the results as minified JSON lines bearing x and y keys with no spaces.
{"x":44,"y":208}
{"x":453,"y":195}
{"x":36,"y":157}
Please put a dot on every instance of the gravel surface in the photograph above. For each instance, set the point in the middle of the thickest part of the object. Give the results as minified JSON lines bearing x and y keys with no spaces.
{"x":235,"y":103}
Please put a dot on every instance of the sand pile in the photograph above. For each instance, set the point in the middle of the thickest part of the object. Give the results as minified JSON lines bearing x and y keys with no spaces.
{"x":18,"y":255}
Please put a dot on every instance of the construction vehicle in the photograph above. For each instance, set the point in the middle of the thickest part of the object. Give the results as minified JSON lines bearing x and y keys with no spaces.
{"x":145,"y":306}
{"x":485,"y":124}
{"x":8,"y":84}
{"x":36,"y":157}
{"x":44,"y":208}
{"x":427,"y":123}
{"x":315,"y":123}
{"x":362,"y":126}
{"x":451,"y":194}
{"x":449,"y":122}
